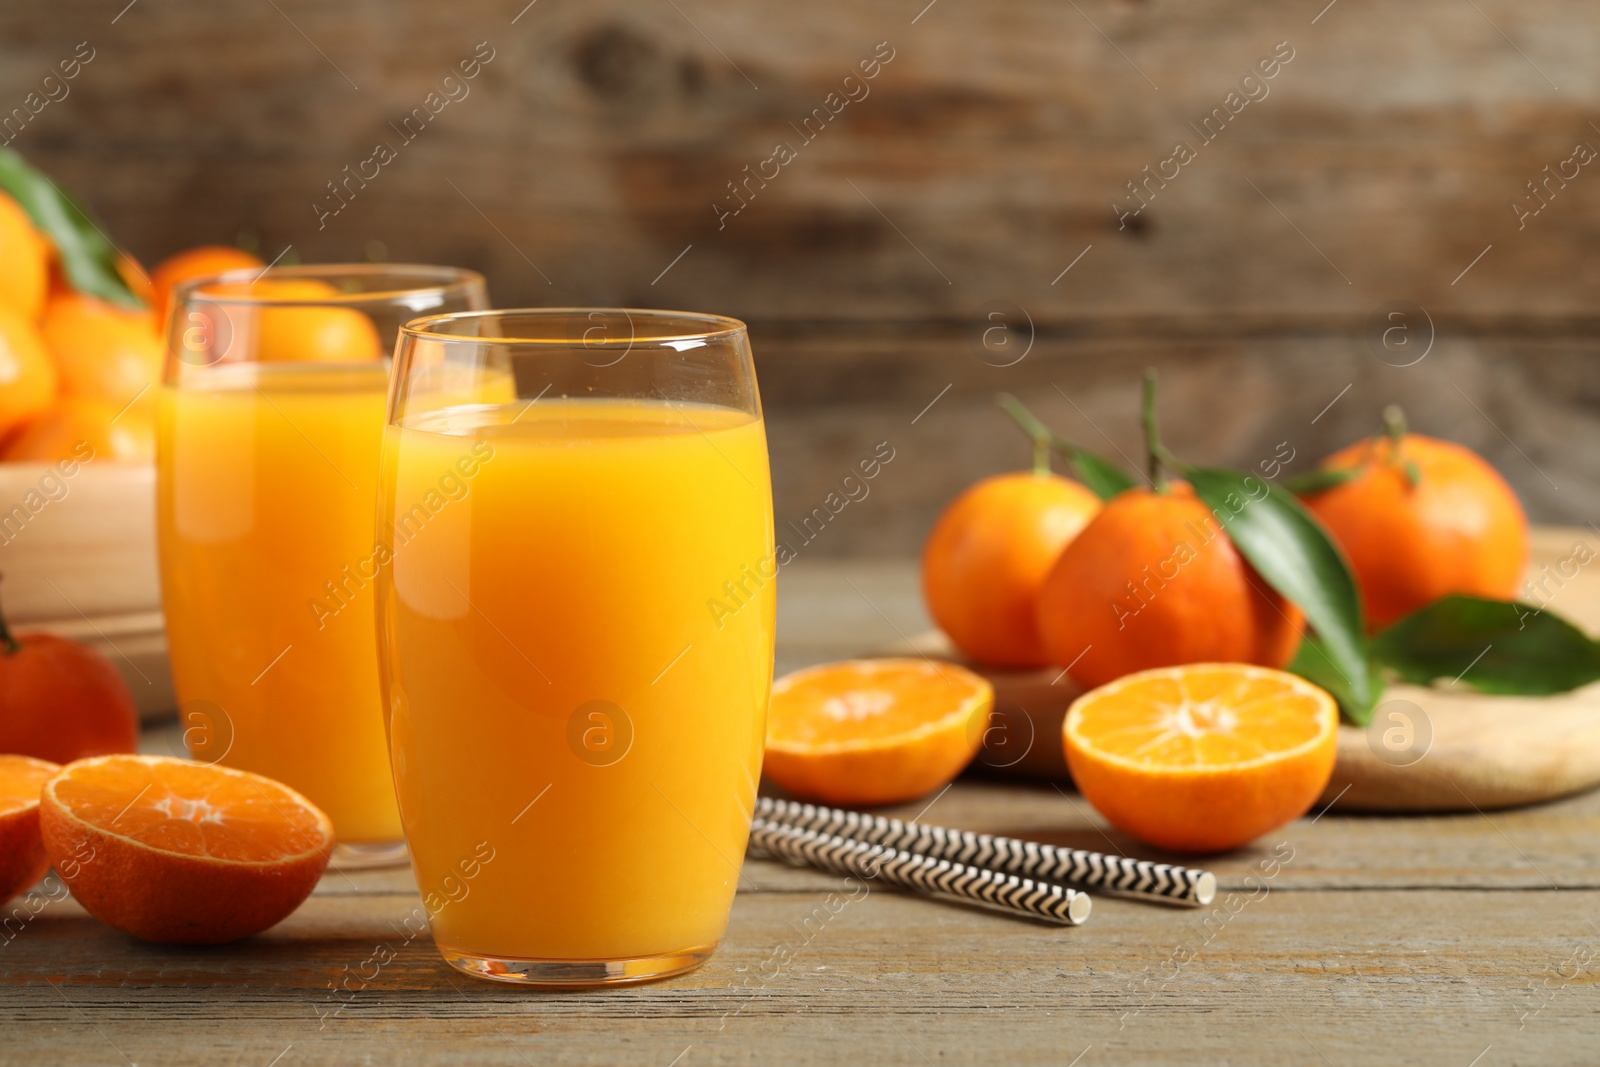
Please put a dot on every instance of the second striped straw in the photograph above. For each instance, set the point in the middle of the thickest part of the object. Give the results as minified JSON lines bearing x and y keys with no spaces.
{"x":930,"y":875}
{"x":1028,"y":859}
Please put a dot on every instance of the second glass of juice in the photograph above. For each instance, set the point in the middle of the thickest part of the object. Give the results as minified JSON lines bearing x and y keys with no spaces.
{"x":269,"y":430}
{"x":576,"y":612}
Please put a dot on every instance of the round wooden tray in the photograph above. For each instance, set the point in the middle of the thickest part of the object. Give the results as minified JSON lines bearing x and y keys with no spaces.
{"x":1428,"y":749}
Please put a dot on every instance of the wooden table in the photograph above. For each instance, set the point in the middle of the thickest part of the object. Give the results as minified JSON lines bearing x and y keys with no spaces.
{"x":1459,"y":940}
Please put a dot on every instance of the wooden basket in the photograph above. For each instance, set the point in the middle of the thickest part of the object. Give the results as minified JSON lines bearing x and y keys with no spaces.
{"x":78,"y":554}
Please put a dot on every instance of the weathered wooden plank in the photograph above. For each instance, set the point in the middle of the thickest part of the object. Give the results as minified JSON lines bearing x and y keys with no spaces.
{"x":1528,"y":405}
{"x":1284,"y":977}
{"x":983,"y":158}
{"x":597,"y":139}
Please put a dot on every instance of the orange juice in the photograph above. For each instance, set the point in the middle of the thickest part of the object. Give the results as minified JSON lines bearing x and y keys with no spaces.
{"x":267,"y":490}
{"x":577,"y":640}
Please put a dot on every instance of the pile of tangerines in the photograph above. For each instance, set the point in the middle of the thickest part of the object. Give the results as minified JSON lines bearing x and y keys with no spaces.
{"x":76,"y":368}
{"x":1185,"y":730}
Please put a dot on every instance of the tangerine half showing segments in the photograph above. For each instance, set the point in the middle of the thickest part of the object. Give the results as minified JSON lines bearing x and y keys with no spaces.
{"x":22,"y":858}
{"x":182,"y":852}
{"x":1203,"y":757}
{"x":877,"y":731}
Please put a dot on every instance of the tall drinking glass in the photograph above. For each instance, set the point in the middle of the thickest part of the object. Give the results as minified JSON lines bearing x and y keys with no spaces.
{"x":270,"y":425}
{"x":575,"y":614}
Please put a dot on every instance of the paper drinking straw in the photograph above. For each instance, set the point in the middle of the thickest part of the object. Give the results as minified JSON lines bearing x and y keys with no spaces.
{"x":935,"y":877}
{"x":1029,"y":859}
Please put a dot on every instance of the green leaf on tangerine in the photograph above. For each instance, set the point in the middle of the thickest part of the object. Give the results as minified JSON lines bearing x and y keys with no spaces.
{"x":1295,"y":555}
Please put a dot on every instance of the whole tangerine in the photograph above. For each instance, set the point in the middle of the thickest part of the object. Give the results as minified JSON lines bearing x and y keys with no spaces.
{"x":988,"y":555}
{"x":192,"y":263}
{"x":1420,"y":519}
{"x":101,"y":349}
{"x":286,"y":330}
{"x":24,"y":262}
{"x":28,"y":377}
{"x":137,"y":279}
{"x":79,"y":425}
{"x":317,"y":335}
{"x":60,"y":700}
{"x":1153,"y":581}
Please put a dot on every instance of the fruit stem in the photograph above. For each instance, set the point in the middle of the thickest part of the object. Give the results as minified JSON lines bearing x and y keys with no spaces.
{"x":1394,"y":422}
{"x":11,"y":644}
{"x":1154,"y":450}
{"x":1036,"y":430}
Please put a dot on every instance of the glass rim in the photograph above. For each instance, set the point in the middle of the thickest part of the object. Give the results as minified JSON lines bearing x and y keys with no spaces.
{"x":433,"y":280}
{"x":719,"y":327}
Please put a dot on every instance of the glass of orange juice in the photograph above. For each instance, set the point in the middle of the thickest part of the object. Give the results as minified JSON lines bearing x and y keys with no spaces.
{"x":576,"y":634}
{"x":270,"y":423}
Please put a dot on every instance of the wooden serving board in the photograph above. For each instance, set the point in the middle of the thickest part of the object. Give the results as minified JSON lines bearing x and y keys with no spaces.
{"x":1428,"y":749}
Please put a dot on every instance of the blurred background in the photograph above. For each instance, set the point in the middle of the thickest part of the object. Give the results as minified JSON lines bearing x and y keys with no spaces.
{"x":1017,"y":195}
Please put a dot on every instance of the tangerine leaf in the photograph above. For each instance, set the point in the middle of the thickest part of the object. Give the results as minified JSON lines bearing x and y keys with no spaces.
{"x":1104,"y":478}
{"x":1493,"y":646}
{"x":88,"y":257}
{"x":1294,"y":554}
{"x":1315,"y":481}
{"x":1313,"y":663}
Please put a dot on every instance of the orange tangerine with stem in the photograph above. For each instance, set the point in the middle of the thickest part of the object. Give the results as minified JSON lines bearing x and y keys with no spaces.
{"x":1421,"y":518}
{"x":990,"y":550}
{"x":1154,"y":581}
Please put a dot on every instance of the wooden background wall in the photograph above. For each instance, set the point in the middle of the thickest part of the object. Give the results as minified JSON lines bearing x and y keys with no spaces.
{"x":590,"y":151}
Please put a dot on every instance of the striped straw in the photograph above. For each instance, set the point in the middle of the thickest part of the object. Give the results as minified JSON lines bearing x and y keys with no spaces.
{"x":1029,"y":859}
{"x":936,"y":877}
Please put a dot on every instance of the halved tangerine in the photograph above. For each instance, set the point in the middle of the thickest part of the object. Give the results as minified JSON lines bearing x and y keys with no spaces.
{"x":877,"y":731}
{"x":182,"y":852}
{"x":1202,"y":757}
{"x":22,"y":858}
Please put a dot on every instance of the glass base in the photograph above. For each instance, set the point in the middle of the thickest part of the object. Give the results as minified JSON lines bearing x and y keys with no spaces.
{"x":364,"y":855}
{"x":573,"y":974}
